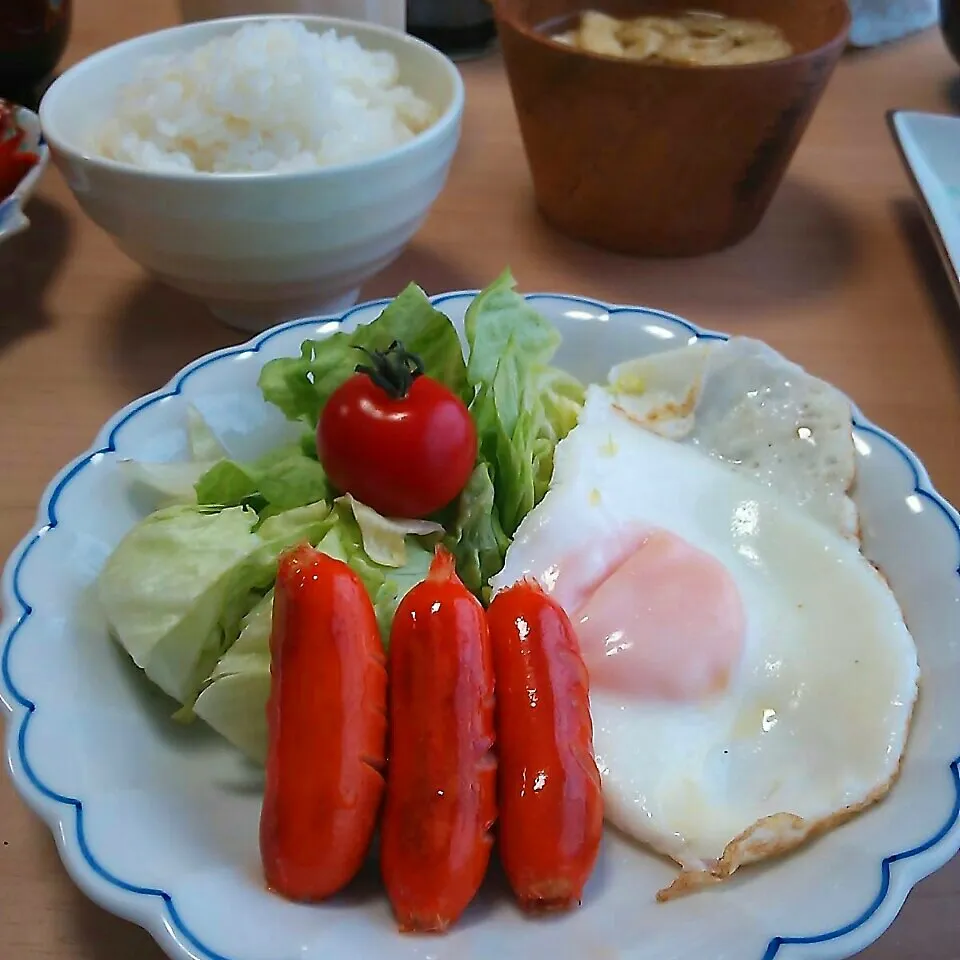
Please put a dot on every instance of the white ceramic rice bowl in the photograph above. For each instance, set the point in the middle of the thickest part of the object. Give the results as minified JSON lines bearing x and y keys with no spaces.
{"x":258,"y":248}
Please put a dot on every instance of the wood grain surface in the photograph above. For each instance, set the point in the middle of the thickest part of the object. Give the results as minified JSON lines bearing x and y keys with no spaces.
{"x":841,"y":276}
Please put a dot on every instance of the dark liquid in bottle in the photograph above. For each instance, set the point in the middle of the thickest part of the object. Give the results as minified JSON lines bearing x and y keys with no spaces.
{"x":33,"y":35}
{"x":950,"y":26}
{"x":457,"y":27}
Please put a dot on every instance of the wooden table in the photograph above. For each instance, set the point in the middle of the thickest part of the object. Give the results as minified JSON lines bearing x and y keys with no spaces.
{"x":841,"y":276}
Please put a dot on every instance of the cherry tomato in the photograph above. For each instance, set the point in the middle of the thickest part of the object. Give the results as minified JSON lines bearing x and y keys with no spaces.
{"x":15,"y":163}
{"x":326,"y":721}
{"x":395,"y":439}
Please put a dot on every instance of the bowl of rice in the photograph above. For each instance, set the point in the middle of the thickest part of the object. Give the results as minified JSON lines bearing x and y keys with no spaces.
{"x":268,"y":165}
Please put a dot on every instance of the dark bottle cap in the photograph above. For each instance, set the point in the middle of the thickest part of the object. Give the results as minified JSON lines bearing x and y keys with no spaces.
{"x":457,"y":27}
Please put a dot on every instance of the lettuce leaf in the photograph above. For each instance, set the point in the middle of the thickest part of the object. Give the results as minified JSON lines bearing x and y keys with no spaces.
{"x":385,"y":540}
{"x":233,"y":701}
{"x":177,"y":586}
{"x":505,"y":333}
{"x":522,"y":408}
{"x":175,"y":482}
{"x":168,"y":483}
{"x":387,"y":586}
{"x":202,"y":441}
{"x":300,"y":386}
{"x":561,"y":399}
{"x":226,"y":484}
{"x":477,"y":540}
{"x":280,"y":480}
{"x":167,"y":586}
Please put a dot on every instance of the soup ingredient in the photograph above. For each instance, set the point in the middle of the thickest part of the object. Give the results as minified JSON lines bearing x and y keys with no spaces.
{"x":741,"y":402}
{"x":234,"y":697}
{"x":395,"y":439}
{"x":269,"y":97}
{"x":550,"y":805}
{"x":441,"y":783}
{"x":695,"y":39}
{"x":15,"y":162}
{"x":176,"y":587}
{"x":327,"y":728}
{"x":751,"y":740}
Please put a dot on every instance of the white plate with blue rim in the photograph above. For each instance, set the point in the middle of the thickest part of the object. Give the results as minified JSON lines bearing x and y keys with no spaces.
{"x":12,"y":218}
{"x":158,"y":823}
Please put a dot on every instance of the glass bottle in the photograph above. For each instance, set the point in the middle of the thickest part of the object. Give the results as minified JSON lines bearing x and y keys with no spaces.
{"x":33,"y":36}
{"x":457,"y":27}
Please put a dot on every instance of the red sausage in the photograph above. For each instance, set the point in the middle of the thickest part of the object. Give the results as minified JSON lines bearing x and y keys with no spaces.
{"x":326,"y":719}
{"x":441,"y":781}
{"x":551,"y":809}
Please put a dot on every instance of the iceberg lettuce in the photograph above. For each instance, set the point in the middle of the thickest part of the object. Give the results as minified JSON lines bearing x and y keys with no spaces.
{"x":234,"y":699}
{"x":177,"y":586}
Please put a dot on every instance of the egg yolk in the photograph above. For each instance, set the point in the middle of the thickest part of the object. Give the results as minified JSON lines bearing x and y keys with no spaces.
{"x":661,"y":619}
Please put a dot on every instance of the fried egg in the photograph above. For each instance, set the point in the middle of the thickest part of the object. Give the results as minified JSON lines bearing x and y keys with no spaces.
{"x":741,"y":402}
{"x":751,"y":676}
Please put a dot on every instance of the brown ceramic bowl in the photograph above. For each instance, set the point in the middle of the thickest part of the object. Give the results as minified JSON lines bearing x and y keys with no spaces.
{"x":656,"y":160}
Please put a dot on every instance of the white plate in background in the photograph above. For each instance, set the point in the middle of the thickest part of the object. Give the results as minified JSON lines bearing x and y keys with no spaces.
{"x":929,"y":147}
{"x":12,"y":217}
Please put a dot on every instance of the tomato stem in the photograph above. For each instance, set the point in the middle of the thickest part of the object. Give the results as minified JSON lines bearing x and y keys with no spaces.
{"x":393,"y":370}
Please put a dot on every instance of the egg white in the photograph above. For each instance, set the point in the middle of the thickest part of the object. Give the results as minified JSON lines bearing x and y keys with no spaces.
{"x":815,"y":718}
{"x":741,"y":402}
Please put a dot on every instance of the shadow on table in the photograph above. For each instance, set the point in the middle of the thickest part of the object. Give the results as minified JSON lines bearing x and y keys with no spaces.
{"x":29,"y":263}
{"x":155,"y":330}
{"x":936,"y":285}
{"x":420,"y":265}
{"x":106,"y":937}
{"x":803,"y":247}
{"x":90,"y":933}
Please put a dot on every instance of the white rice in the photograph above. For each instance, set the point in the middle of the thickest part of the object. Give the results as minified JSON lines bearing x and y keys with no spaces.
{"x":271,"y":96}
